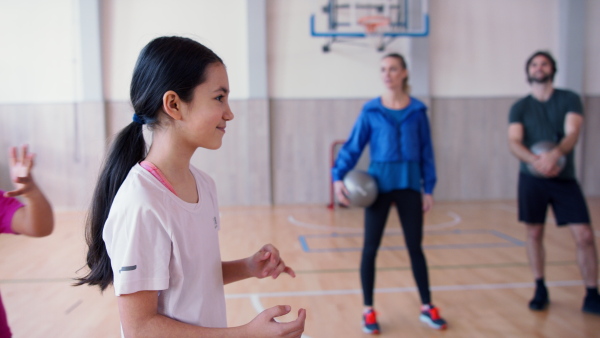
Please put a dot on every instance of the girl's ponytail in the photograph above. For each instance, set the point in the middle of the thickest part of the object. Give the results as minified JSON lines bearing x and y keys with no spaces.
{"x":127,"y":149}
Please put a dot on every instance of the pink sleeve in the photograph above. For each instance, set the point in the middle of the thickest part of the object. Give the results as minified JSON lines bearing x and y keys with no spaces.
{"x":8,"y":207}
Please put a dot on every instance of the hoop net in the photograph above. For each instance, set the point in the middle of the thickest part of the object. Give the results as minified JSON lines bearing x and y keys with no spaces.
{"x":373,"y":23}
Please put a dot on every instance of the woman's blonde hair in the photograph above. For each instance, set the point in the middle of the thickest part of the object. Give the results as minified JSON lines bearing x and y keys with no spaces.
{"x":400,"y":58}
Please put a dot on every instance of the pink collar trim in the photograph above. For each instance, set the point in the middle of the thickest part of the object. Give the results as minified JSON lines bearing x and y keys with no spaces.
{"x":158,"y":174}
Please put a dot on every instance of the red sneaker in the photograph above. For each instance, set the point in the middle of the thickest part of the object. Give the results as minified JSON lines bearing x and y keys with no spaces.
{"x":369,"y":322}
{"x":430,"y":315}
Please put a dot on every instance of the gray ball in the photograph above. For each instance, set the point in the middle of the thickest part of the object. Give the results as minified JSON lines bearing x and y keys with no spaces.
{"x":544,"y":147}
{"x":362,"y":188}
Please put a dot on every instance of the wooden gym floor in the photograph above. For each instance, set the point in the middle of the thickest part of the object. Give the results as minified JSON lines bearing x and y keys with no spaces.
{"x":478,"y":269}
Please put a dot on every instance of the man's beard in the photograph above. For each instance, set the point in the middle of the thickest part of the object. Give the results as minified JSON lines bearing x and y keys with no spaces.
{"x":544,"y":79}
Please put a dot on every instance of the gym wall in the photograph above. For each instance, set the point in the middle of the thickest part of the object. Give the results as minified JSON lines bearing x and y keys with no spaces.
{"x":42,"y":101}
{"x":277,"y":148}
{"x":476,"y":72}
{"x":591,"y":137}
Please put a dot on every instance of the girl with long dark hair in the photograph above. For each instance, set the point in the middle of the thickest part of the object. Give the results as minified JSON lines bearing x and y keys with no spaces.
{"x":153,"y":227}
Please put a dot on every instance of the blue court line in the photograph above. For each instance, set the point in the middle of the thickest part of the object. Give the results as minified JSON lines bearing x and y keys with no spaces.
{"x":510,"y":241}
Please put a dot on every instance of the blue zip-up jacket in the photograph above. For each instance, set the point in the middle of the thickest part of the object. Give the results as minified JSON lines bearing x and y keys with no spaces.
{"x":390,"y":140}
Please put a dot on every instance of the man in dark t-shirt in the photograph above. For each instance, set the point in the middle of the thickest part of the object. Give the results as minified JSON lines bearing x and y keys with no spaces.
{"x":554,"y":115}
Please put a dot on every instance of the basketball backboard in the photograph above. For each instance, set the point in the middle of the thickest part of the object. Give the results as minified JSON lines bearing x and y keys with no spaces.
{"x":384,"y":20}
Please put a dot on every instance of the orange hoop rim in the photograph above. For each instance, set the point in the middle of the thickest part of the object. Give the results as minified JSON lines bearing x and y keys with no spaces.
{"x":372,"y":22}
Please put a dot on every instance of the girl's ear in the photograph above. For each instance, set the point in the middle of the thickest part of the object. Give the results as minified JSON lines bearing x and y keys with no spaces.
{"x":172,"y":105}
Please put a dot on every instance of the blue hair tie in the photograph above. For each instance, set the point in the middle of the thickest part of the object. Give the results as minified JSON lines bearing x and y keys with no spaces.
{"x":138,"y":119}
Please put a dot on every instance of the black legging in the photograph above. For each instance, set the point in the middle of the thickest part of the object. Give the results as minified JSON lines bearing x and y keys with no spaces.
{"x":410,"y":210}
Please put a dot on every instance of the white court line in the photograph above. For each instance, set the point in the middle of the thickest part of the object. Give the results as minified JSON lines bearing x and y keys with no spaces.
{"x":255,"y":299}
{"x":456,"y":219}
{"x":466,"y":287}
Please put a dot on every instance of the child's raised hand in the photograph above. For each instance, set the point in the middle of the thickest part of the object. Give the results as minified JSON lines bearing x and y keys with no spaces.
{"x":267,"y":262}
{"x":265,"y":325}
{"x":20,"y":165}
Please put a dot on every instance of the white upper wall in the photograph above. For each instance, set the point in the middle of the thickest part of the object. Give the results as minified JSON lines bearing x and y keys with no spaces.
{"x":298,"y":68}
{"x":592,"y":41}
{"x":479,"y":47}
{"x":128,"y":25}
{"x":38,"y":59}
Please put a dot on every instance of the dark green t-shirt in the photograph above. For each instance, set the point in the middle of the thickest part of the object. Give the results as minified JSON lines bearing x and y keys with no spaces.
{"x":545,"y":121}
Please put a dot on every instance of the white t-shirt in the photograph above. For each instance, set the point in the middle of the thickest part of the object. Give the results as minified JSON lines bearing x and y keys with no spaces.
{"x":156,"y":241}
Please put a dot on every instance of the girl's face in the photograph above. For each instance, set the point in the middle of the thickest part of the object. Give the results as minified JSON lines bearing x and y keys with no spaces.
{"x":206,"y":115}
{"x":392,"y":73}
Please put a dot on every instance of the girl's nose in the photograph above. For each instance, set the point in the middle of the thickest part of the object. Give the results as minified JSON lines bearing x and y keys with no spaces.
{"x":228,"y":116}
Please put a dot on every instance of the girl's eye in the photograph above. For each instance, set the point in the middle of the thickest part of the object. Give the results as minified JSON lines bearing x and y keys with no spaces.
{"x":220,"y":98}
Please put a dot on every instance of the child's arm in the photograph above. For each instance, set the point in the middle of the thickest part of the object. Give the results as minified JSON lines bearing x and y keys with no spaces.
{"x":139,"y":318}
{"x":266,"y":262}
{"x":35,"y":218}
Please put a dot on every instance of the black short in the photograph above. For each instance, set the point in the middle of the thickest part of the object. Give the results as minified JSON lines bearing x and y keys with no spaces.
{"x":565,"y":197}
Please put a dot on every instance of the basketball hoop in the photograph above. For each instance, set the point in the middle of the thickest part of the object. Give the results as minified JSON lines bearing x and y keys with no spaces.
{"x":373,"y":22}
{"x":378,"y":21}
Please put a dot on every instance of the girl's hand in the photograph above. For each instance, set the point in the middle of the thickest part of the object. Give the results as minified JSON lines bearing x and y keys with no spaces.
{"x":341,"y":192}
{"x":267,"y":262}
{"x":265,"y":325}
{"x":427,"y":202}
{"x":20,"y":171}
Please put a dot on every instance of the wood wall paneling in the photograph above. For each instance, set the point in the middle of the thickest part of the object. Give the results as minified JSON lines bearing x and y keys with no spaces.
{"x":278,"y":151}
{"x":472,"y":157}
{"x":68,"y":140}
{"x":471,"y":149}
{"x":590,"y":181}
{"x":302,"y":134}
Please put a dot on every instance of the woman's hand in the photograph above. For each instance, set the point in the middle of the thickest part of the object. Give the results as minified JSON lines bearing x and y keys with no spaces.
{"x":341,"y":192}
{"x":427,"y":202}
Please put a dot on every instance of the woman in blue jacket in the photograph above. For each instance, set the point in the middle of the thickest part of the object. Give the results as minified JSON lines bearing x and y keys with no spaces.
{"x":396,"y":126}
